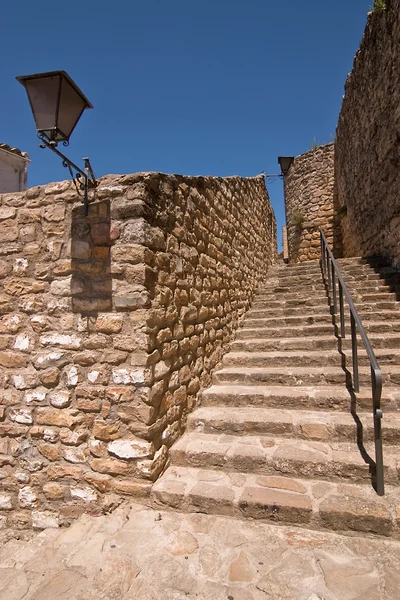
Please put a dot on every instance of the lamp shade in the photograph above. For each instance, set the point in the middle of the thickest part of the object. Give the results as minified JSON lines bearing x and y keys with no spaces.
{"x":56,"y":102}
{"x":285,"y":163}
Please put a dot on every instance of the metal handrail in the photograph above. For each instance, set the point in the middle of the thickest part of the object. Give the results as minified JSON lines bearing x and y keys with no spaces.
{"x":331,"y":272}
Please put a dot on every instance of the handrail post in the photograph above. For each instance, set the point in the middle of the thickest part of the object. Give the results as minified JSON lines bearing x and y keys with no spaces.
{"x":341,"y":308}
{"x":376,"y":377}
{"x":356,"y":385}
{"x":328,"y":261}
{"x":334,"y":291}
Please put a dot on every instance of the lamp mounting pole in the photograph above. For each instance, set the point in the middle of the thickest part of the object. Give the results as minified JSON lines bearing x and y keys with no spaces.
{"x":81,"y":179}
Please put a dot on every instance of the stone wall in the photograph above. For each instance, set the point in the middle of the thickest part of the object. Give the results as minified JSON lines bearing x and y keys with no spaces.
{"x":367,"y":157}
{"x":309,"y":204}
{"x":110,"y":326}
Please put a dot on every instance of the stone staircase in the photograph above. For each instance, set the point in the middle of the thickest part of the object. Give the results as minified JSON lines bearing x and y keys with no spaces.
{"x":278,"y":436}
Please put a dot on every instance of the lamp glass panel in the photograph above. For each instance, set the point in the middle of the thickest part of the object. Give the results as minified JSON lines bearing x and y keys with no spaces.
{"x":43,"y":96}
{"x":71,"y":108}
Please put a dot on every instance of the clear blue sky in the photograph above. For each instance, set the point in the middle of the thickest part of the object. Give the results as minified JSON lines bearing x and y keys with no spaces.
{"x":211,"y":87}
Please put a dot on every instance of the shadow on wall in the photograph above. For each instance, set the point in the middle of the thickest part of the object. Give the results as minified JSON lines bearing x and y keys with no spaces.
{"x":91,"y":241}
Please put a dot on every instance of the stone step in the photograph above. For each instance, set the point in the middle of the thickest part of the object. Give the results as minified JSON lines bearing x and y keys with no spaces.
{"x":313,"y":268}
{"x":303,"y":320}
{"x":295,"y":358}
{"x":350,"y":272}
{"x":284,"y":332}
{"x":316,"y":286}
{"x":388,"y":310}
{"x":386,"y":273}
{"x":295,"y":269}
{"x":293,"y":294}
{"x":303,"y":300}
{"x":371,"y":297}
{"x":374,"y":266}
{"x":313,"y":504}
{"x":323,"y":342}
{"x":385,"y":356}
{"x":362,"y":260}
{"x":369,"y":285}
{"x":320,"y":425}
{"x":372,"y":326}
{"x":331,"y":397}
{"x":383,"y":322}
{"x":289,"y":358}
{"x":268,"y":455}
{"x":369,"y":261}
{"x":302,"y":376}
{"x":294,"y":311}
{"x":378,"y":310}
{"x":374,"y":297}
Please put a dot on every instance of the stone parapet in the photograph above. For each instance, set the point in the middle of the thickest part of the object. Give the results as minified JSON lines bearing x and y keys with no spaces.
{"x":110,"y":326}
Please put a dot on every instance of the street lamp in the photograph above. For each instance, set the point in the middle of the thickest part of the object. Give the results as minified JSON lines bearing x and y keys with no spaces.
{"x":285,"y":164}
{"x":57,"y":104}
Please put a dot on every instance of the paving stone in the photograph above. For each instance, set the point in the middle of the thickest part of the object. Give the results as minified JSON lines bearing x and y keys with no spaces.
{"x":351,"y":578}
{"x":184,"y":543}
{"x":240,"y":570}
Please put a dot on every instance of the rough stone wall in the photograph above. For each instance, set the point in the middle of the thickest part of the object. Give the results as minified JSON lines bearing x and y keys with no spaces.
{"x":309,"y":204}
{"x":367,"y":157}
{"x":110,"y":325}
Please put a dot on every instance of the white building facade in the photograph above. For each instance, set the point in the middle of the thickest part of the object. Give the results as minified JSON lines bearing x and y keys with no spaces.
{"x":13,"y":169}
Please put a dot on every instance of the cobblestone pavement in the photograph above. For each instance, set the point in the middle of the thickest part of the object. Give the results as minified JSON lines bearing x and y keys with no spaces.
{"x":144,"y":554}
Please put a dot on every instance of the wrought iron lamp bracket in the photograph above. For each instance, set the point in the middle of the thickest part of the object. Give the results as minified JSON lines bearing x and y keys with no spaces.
{"x":83,"y":179}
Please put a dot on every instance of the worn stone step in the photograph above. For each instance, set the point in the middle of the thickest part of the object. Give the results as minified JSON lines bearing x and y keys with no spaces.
{"x":385,"y":356}
{"x":380,"y":311}
{"x":323,"y":342}
{"x":363,"y":260}
{"x":386,"y":299}
{"x":299,"y":268}
{"x":369,"y":286}
{"x":313,"y":504}
{"x":289,"y":358}
{"x":294,"y":294}
{"x":377,"y":322}
{"x":268,"y":455}
{"x":331,"y":397}
{"x":305,"y":288}
{"x":276,"y":302}
{"x":295,"y":311}
{"x":304,"y":320}
{"x":382,"y":322}
{"x":374,"y":297}
{"x":320,"y":425}
{"x":265,"y":308}
{"x":316,"y":286}
{"x":358,"y":270}
{"x":378,"y":340}
{"x":253,"y":332}
{"x":301,"y":375}
{"x":280,"y":375}
{"x":366,"y":308}
{"x":377,"y":262}
{"x":365,"y":275}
